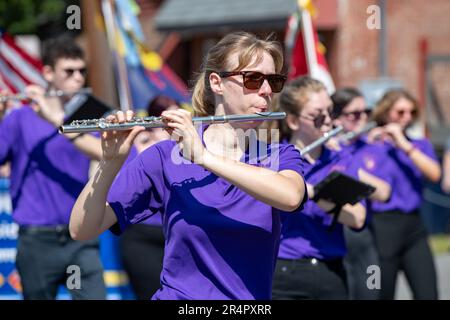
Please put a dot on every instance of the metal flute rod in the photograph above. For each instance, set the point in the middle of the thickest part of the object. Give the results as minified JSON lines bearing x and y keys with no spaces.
{"x":51,"y":93}
{"x":355,"y":134}
{"x":82,"y":126}
{"x":327,"y":136}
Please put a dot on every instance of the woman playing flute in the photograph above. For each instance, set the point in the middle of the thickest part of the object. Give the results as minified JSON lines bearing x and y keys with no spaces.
{"x":310,"y":262}
{"x":218,"y":206}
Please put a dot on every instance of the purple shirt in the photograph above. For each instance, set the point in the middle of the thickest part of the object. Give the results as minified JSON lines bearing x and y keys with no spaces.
{"x":220,"y":242}
{"x":47,"y":171}
{"x":154,"y":219}
{"x":306,"y":233}
{"x":407,"y":180}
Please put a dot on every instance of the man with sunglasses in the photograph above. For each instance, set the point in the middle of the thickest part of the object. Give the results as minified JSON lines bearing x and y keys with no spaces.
{"x":48,"y":172}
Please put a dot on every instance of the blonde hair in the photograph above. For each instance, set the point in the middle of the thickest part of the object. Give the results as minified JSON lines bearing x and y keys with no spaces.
{"x":385,"y":104}
{"x":293,"y":99}
{"x":248,"y":46}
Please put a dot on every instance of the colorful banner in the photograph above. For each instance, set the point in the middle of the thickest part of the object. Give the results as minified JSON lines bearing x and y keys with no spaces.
{"x":115,"y":278}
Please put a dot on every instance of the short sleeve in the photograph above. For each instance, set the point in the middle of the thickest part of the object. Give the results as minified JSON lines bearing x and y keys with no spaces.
{"x":8,"y":135}
{"x":290,"y":159}
{"x":426,"y":147}
{"x":138,"y":190}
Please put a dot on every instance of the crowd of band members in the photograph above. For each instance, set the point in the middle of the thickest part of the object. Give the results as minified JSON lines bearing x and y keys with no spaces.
{"x":221,"y":225}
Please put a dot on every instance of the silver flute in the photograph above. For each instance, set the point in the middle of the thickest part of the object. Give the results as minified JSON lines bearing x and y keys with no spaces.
{"x":355,"y":134}
{"x":322,"y":140}
{"x":91,"y":125}
{"x":50,"y":93}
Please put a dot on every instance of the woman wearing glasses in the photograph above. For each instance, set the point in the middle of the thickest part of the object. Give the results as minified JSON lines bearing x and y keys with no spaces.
{"x":399,"y":232}
{"x":351,"y":112}
{"x":310,"y":262}
{"x":218,"y":203}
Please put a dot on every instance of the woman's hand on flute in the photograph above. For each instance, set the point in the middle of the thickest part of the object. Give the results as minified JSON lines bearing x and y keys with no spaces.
{"x":181,"y":129}
{"x":116,"y":145}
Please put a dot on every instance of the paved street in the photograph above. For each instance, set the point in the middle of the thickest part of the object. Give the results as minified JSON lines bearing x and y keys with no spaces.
{"x":443,"y":269}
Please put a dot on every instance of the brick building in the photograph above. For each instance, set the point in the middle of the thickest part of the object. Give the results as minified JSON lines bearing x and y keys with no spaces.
{"x":415,"y":35}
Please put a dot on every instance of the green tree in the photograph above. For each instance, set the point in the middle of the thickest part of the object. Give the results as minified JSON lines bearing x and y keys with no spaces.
{"x":33,"y":16}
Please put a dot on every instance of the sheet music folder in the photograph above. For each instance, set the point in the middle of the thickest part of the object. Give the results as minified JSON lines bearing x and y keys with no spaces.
{"x":85,"y":106}
{"x":342,"y":189}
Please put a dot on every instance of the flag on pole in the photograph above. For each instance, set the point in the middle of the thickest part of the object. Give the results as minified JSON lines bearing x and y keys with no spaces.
{"x":18,"y":69}
{"x":306,"y":55}
{"x":147,"y":76}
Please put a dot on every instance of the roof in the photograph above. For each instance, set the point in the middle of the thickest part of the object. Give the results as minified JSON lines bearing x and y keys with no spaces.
{"x":199,"y":16}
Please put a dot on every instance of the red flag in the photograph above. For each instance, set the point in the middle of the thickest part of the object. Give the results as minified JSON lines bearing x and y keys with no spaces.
{"x":305,"y":53}
{"x":17,"y":68}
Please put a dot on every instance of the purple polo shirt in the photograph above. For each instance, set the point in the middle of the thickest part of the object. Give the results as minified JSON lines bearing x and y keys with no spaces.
{"x":407,"y":180}
{"x":220,"y":242}
{"x":373,"y":158}
{"x":306,"y":233}
{"x":47,"y":172}
{"x":154,"y":219}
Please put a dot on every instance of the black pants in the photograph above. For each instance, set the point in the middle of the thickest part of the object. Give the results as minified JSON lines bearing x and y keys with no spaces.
{"x":309,"y":279}
{"x":402,"y":244}
{"x":44,"y":257}
{"x":142,"y":249}
{"x":361,"y":254}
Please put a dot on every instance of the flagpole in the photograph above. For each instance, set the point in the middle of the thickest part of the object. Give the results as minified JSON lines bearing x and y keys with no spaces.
{"x":122,"y":76}
{"x":308,"y":39}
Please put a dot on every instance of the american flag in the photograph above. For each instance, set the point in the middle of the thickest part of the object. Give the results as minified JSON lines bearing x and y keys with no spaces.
{"x":17,"y":68}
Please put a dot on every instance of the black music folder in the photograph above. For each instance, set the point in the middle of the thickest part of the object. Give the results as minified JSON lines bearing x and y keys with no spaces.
{"x":341,"y":189}
{"x":85,"y":106}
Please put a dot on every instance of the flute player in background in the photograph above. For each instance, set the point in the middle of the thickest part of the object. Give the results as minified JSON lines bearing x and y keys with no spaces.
{"x":48,"y":171}
{"x":400,"y":234}
{"x":310,"y":260}
{"x":352,"y":113}
{"x":218,"y":205}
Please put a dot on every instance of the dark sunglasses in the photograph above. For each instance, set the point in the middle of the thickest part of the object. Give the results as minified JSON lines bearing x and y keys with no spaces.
{"x":357,"y":114}
{"x":402,"y":112}
{"x":253,"y":80}
{"x":318,"y":120}
{"x":70,"y":71}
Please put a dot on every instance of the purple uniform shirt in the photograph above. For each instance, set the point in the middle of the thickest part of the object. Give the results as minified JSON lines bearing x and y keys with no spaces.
{"x":306,"y":233}
{"x":407,"y":180}
{"x":47,"y":172}
{"x":154,"y":219}
{"x":374,"y":159}
{"x":220,"y":242}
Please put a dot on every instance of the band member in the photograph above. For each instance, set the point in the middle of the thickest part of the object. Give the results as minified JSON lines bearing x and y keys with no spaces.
{"x":218,"y":201}
{"x":310,"y":260}
{"x":400,"y":234}
{"x":142,"y":244}
{"x":351,"y":112}
{"x":48,"y":171}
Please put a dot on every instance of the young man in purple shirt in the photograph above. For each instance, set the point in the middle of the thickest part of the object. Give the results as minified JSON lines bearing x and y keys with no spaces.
{"x":216,"y":196}
{"x":48,"y":171}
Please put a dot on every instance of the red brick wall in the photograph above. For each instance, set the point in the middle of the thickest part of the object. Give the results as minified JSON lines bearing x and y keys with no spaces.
{"x":354,"y":50}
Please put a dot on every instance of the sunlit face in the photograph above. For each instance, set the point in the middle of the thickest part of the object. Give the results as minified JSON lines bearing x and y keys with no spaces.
{"x":354,"y":116}
{"x":68,"y":75}
{"x":237,"y":99}
{"x":314,"y":119}
{"x":402,"y":112}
